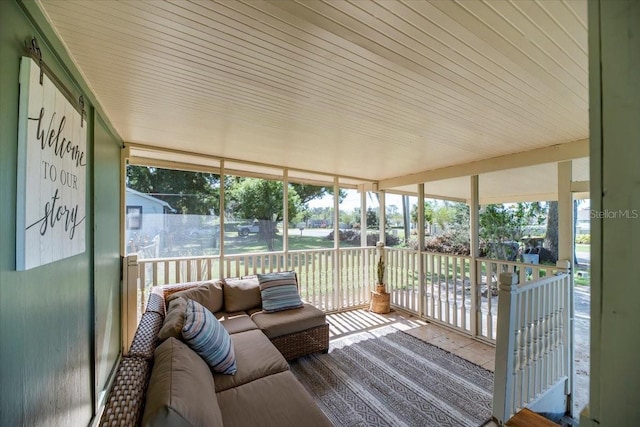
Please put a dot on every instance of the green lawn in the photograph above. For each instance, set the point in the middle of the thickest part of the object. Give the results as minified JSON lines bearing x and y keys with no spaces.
{"x":583,"y":248}
{"x":252,"y":243}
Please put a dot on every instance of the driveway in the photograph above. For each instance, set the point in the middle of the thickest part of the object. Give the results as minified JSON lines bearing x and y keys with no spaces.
{"x":581,"y":324}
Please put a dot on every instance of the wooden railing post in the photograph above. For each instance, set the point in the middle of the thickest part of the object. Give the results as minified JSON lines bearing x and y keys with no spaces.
{"x":474,"y":252}
{"x":129,"y":300}
{"x":503,"y":385}
{"x":564,"y":266}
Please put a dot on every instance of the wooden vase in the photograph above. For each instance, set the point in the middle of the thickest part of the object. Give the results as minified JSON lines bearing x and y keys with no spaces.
{"x":381,"y":288}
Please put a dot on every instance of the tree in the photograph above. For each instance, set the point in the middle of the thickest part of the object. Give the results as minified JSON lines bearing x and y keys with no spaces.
{"x":459,"y":227}
{"x":428,"y":213}
{"x":261,"y":199}
{"x":372,"y":219}
{"x":551,"y":235}
{"x":308,"y":192}
{"x":349,"y":217}
{"x":443,"y":215}
{"x":502,"y":227}
{"x":187,"y":192}
{"x":393,"y":214}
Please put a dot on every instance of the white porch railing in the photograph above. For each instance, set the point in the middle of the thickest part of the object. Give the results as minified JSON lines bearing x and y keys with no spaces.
{"x":488,"y":271}
{"x":533,"y":349}
{"x":448,"y":290}
{"x":435,"y":286}
{"x":447,"y":293}
{"x":329,"y":279}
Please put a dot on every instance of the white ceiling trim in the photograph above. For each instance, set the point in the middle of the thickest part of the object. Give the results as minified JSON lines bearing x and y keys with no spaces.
{"x":555,"y":153}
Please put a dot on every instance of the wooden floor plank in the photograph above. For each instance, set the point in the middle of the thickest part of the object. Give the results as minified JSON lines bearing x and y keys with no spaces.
{"x":528,"y":418}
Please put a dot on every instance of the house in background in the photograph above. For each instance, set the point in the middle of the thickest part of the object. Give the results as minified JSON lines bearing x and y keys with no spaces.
{"x":583,"y":223}
{"x":145,"y":219}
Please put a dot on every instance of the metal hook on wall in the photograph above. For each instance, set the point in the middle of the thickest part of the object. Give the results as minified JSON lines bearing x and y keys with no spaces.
{"x":82,"y":111}
{"x":35,"y":51}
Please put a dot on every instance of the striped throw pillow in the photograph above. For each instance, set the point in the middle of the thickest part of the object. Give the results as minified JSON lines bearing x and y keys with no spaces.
{"x":279,"y":291}
{"x":208,"y":338}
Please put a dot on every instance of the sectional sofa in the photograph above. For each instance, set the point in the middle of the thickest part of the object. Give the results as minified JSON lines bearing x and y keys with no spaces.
{"x":164,"y":381}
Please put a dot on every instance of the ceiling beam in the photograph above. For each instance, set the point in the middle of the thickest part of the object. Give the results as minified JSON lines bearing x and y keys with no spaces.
{"x":580,"y":186}
{"x":518,"y":198}
{"x":554,"y":153}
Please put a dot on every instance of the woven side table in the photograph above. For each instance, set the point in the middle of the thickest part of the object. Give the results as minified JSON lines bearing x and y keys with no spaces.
{"x":380,"y":302}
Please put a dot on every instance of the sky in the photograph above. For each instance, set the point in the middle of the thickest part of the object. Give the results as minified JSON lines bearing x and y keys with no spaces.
{"x":352,"y":201}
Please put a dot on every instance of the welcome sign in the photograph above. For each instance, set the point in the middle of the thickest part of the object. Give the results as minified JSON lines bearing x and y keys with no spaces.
{"x":52,"y":166}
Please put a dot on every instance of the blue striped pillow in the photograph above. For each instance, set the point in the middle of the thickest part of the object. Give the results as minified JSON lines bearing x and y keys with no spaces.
{"x":207,"y":337}
{"x":279,"y":291}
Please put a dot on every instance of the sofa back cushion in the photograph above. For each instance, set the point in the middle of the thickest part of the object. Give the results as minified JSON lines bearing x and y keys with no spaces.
{"x":241,"y":294}
{"x":279,"y":291}
{"x":208,"y":293}
{"x":207,"y":337}
{"x":181,"y":390}
{"x":174,"y":320}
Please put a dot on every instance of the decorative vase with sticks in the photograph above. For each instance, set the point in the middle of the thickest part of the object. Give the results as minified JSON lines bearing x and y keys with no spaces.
{"x":380,"y":299}
{"x":380,"y":286}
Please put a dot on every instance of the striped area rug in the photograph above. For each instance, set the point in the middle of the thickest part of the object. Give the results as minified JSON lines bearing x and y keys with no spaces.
{"x":389,"y":378}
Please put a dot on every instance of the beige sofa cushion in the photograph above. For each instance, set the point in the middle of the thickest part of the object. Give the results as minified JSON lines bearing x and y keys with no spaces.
{"x":289,"y":321}
{"x":256,"y":357}
{"x":208,"y":293}
{"x":181,"y":390}
{"x":174,"y":320}
{"x":236,"y":322}
{"x":277,"y":400}
{"x":242,"y":294}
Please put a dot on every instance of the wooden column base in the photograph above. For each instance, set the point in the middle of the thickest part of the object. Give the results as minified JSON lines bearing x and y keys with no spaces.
{"x":380,"y":302}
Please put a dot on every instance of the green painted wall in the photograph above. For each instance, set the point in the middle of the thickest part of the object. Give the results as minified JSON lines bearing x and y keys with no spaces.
{"x":106,"y":225}
{"x":59,"y":330}
{"x":614,"y":57}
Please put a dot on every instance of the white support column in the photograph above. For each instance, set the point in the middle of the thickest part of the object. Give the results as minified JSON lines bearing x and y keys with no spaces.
{"x":421,"y":269}
{"x":124,"y":157}
{"x":383,"y":216}
{"x":565,"y":252}
{"x":337,"y":294}
{"x":565,"y":212}
{"x":285,"y":214}
{"x":129,"y":300}
{"x":363,"y":238}
{"x":221,"y":236}
{"x":503,"y":384}
{"x":474,"y":227}
{"x":363,"y":217}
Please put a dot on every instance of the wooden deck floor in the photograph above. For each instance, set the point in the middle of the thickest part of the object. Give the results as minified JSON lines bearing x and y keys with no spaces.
{"x":355,"y":321}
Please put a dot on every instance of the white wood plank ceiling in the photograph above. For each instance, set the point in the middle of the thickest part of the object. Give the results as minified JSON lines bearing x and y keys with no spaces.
{"x":364,"y":89}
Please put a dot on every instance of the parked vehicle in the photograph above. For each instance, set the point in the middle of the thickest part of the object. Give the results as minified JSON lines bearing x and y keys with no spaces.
{"x":246,"y":229}
{"x":254,"y":228}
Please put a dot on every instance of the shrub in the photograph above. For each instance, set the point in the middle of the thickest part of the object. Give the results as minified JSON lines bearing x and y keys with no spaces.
{"x":583,"y":239}
{"x":447,"y":243}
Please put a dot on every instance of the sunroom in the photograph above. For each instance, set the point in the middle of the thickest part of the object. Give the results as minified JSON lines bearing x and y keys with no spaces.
{"x":382,"y":103}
